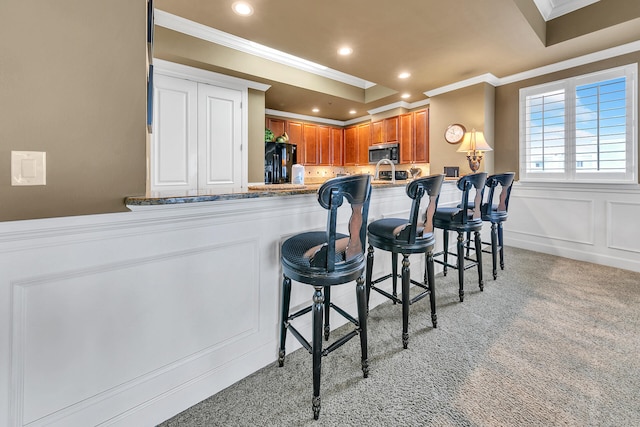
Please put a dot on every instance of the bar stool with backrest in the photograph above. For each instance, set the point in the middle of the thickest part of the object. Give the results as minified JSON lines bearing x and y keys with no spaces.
{"x":463,"y":218}
{"x":495,"y":210}
{"x":323,"y":259}
{"x":406,"y":237}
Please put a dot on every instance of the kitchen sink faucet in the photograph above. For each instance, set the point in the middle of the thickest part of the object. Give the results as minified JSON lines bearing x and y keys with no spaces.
{"x":393,"y":169}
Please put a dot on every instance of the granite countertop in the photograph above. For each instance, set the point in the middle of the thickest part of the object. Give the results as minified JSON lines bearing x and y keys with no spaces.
{"x":271,"y":190}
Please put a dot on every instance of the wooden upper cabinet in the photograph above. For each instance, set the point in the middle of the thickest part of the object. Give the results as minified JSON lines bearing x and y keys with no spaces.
{"x":323,"y":137}
{"x":337,"y":147}
{"x":377,"y":134}
{"x":385,"y":131}
{"x":351,"y":146}
{"x":421,"y":136}
{"x":294,"y":130}
{"x":391,"y":129}
{"x":364,"y":140}
{"x":277,"y":126}
{"x":406,"y":138}
{"x":414,"y":137}
{"x":310,"y":144}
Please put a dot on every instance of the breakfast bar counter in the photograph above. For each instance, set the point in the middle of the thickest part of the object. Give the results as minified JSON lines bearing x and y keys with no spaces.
{"x":252,"y":192}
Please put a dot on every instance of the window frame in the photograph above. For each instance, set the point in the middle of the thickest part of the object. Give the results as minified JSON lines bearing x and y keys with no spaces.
{"x":569,"y":85}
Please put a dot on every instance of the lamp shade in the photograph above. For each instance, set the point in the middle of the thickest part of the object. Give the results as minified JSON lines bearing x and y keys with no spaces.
{"x":474,"y":141}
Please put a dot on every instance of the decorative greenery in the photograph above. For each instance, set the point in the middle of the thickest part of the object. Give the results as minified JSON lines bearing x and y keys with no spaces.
{"x":268,"y":135}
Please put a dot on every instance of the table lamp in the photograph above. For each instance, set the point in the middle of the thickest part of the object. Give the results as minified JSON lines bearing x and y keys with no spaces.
{"x":474,"y":144}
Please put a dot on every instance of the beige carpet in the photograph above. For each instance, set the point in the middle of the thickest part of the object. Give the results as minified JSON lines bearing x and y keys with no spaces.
{"x":551,"y":342}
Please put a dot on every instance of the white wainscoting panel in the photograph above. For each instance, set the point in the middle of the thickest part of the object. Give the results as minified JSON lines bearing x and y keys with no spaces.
{"x":622,"y":225}
{"x":554,"y":218}
{"x":580,"y":221}
{"x":75,"y":326}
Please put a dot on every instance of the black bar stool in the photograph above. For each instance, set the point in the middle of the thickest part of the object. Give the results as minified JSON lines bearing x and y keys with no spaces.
{"x":463,"y":218}
{"x":495,"y":211}
{"x":408,"y":236}
{"x":325,"y":258}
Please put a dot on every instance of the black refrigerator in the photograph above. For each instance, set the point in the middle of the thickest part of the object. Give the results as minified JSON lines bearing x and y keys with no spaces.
{"x":279,"y":159}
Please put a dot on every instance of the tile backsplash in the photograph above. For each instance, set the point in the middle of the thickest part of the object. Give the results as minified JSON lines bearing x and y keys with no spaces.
{"x":318,"y":174}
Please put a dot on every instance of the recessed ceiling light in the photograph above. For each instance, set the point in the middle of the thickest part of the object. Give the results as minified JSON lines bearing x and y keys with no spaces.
{"x":345,"y":51}
{"x":405,"y":95}
{"x":315,"y":110}
{"x":242,"y":8}
{"x":352,"y":112}
{"x":404,"y":75}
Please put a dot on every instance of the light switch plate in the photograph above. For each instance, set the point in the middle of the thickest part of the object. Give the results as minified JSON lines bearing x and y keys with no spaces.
{"x":28,"y":168}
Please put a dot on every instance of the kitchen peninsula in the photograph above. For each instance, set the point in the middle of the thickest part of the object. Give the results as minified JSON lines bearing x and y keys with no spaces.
{"x":219,"y":259}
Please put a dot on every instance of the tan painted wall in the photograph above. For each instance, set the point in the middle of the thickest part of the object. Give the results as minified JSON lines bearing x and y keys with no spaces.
{"x":73,"y":84}
{"x":472,"y":107}
{"x":256,"y":136}
{"x":507,"y":99}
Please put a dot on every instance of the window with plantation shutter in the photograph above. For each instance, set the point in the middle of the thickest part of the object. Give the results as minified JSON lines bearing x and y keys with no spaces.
{"x":581,"y":129}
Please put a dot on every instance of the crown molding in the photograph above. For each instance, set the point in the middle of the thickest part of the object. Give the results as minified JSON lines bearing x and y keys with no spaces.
{"x":484,"y":78}
{"x":536,"y":72}
{"x":550,"y":9}
{"x":194,"y":29}
{"x":288,"y":115}
{"x":185,"y":72}
{"x":573,"y":62}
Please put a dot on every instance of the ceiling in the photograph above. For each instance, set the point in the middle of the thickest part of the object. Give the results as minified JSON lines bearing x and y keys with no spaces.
{"x":440,"y":43}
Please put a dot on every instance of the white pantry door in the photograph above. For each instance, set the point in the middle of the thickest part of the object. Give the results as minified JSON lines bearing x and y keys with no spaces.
{"x":197,"y":136}
{"x":219,"y":137}
{"x":174,"y":142}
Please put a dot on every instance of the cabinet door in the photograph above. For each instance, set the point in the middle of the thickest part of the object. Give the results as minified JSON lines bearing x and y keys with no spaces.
{"x":421,"y":125}
{"x":323,"y":136}
{"x":377,"y":134}
{"x":310,"y":143}
{"x":364,"y":140}
{"x":174,"y":144}
{"x":406,"y":138}
{"x":277,"y":126}
{"x":391,"y":129}
{"x":351,"y":146}
{"x":337,"y":147}
{"x":294,"y":130}
{"x":219,"y":137}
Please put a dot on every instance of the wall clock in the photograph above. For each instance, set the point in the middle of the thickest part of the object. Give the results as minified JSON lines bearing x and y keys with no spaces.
{"x":454,"y":133}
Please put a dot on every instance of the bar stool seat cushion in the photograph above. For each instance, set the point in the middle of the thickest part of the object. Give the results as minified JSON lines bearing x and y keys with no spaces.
{"x":451,"y":218}
{"x":305,"y":254}
{"x":387,"y":234}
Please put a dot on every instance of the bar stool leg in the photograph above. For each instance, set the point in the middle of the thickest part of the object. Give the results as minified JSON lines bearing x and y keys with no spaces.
{"x":318,"y":305}
{"x":362,"y":324}
{"x":460,"y":252}
{"x":445,"y":242}
{"x":430,"y":280}
{"x":327,"y":309}
{"x":494,"y":249}
{"x":479,"y":259}
{"x":286,"y":299}
{"x":468,"y":243}
{"x":501,"y":244}
{"x":394,"y":277}
{"x":406,"y":279}
{"x":369,"y":273}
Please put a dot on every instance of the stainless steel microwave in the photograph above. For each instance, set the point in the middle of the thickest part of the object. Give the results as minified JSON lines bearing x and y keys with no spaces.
{"x":384,"y":151}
